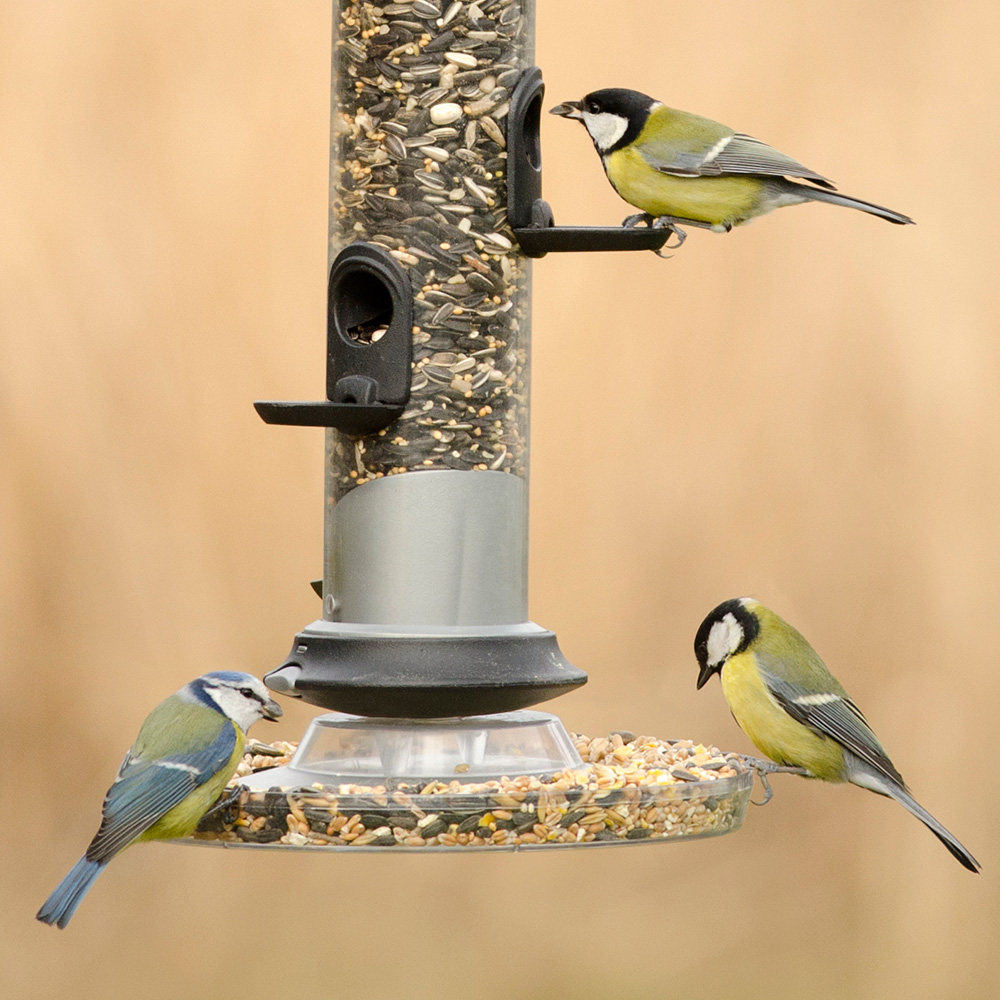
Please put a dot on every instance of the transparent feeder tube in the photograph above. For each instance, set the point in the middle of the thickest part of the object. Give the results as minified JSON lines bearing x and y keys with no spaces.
{"x":420,"y":93}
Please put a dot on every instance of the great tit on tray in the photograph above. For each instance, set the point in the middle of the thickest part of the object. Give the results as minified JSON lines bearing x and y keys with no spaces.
{"x":186,"y":751}
{"x":682,"y":169}
{"x":795,"y":711}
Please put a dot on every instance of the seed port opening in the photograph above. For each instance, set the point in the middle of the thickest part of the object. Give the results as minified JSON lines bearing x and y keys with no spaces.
{"x":361,"y":306}
{"x":532,"y":132}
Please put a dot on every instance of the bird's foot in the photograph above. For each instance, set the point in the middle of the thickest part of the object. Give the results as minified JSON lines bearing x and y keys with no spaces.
{"x":227,"y":804}
{"x":658,"y":222}
{"x":665,"y":222}
{"x":633,"y":220}
{"x":762,"y":768}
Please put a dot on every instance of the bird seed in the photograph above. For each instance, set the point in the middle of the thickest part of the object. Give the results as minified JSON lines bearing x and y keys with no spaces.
{"x":412,"y":172}
{"x":643,"y":789}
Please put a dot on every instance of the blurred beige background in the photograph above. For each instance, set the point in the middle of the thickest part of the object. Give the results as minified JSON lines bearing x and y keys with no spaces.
{"x":807,"y":409}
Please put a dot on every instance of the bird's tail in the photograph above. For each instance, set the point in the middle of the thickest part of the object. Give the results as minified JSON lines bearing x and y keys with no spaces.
{"x":861,"y":774}
{"x":907,"y":801}
{"x":811,"y":193}
{"x":68,"y":894}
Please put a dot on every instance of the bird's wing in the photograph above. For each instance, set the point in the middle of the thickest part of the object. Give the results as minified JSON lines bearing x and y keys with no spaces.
{"x":732,"y":154}
{"x":833,"y":714}
{"x":147,"y":789}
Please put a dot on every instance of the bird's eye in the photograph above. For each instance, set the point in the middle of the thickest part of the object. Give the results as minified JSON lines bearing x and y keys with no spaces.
{"x":247,"y":692}
{"x":593,"y":107}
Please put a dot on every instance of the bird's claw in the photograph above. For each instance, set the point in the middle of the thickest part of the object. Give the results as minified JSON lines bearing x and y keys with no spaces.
{"x":664,"y":223}
{"x":225,"y":803}
{"x":658,"y":222}
{"x":768,"y":790}
{"x":633,"y":220}
{"x":762,"y":768}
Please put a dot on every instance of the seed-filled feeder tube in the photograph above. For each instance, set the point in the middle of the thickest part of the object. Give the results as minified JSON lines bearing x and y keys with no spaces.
{"x":424,"y":652}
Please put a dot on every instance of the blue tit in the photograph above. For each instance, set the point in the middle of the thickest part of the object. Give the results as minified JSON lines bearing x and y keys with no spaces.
{"x":795,"y":711}
{"x":680,"y":168}
{"x":186,"y":751}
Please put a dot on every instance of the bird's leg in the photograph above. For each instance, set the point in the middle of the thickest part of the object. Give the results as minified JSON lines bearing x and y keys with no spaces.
{"x":225,"y":803}
{"x":762,"y":768}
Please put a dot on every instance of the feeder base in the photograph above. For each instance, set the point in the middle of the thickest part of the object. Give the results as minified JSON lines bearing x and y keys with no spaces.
{"x":398,"y":672}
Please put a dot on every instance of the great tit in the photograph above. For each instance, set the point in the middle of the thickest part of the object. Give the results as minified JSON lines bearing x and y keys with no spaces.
{"x":680,"y":168}
{"x":186,"y":751}
{"x":794,"y":710}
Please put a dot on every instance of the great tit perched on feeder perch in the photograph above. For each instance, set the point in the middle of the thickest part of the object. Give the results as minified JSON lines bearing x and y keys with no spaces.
{"x":795,"y":711}
{"x":186,"y":751}
{"x":682,"y":169}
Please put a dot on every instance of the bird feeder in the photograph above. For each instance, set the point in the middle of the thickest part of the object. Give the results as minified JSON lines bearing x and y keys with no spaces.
{"x":424,"y":655}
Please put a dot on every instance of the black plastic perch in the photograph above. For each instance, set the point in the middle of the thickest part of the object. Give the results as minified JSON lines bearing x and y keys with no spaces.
{"x":369,"y":347}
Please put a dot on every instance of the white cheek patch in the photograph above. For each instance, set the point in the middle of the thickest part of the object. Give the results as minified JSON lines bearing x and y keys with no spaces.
{"x":605,"y":128}
{"x":235,"y":706}
{"x":724,"y":639}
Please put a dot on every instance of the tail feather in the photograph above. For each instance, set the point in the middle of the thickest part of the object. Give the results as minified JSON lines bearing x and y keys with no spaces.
{"x":67,"y":896}
{"x":907,"y":801}
{"x":836,"y":198}
{"x":861,"y":774}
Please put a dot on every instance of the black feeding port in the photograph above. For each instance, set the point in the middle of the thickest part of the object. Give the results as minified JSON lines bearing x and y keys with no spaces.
{"x":369,"y":346}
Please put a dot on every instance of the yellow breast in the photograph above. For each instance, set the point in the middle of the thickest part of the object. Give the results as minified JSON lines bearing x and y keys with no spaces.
{"x":771,"y":729}
{"x":719,"y":201}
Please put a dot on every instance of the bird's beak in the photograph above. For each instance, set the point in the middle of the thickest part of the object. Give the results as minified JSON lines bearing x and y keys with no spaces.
{"x":570,"y":109}
{"x":271,"y":710}
{"x":704,"y":674}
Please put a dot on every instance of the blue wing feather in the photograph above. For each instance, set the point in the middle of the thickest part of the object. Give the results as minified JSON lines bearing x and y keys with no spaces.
{"x":147,"y":789}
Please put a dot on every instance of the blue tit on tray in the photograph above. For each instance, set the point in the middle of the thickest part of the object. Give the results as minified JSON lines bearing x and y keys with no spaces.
{"x":795,"y":711}
{"x":186,"y":751}
{"x":682,"y":169}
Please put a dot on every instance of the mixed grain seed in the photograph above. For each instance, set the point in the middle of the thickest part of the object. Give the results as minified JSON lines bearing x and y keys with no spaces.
{"x":421,"y":92}
{"x":630,"y":789}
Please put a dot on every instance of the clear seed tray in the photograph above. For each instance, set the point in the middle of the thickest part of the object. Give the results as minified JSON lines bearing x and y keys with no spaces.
{"x":627,"y":790}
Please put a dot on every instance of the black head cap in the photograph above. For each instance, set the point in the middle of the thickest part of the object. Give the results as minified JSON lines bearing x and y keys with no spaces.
{"x":726,"y":631}
{"x":631,"y":105}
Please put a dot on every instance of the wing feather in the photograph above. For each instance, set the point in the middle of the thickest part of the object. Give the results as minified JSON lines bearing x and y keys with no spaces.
{"x":733,"y":154}
{"x":147,"y":789}
{"x":835,"y":715}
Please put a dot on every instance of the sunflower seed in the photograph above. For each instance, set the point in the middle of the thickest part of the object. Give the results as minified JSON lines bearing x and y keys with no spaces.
{"x":432,"y":96}
{"x":493,"y":130}
{"x":444,"y":114}
{"x":450,"y":13}
{"x":422,"y":8}
{"x":461,"y":59}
